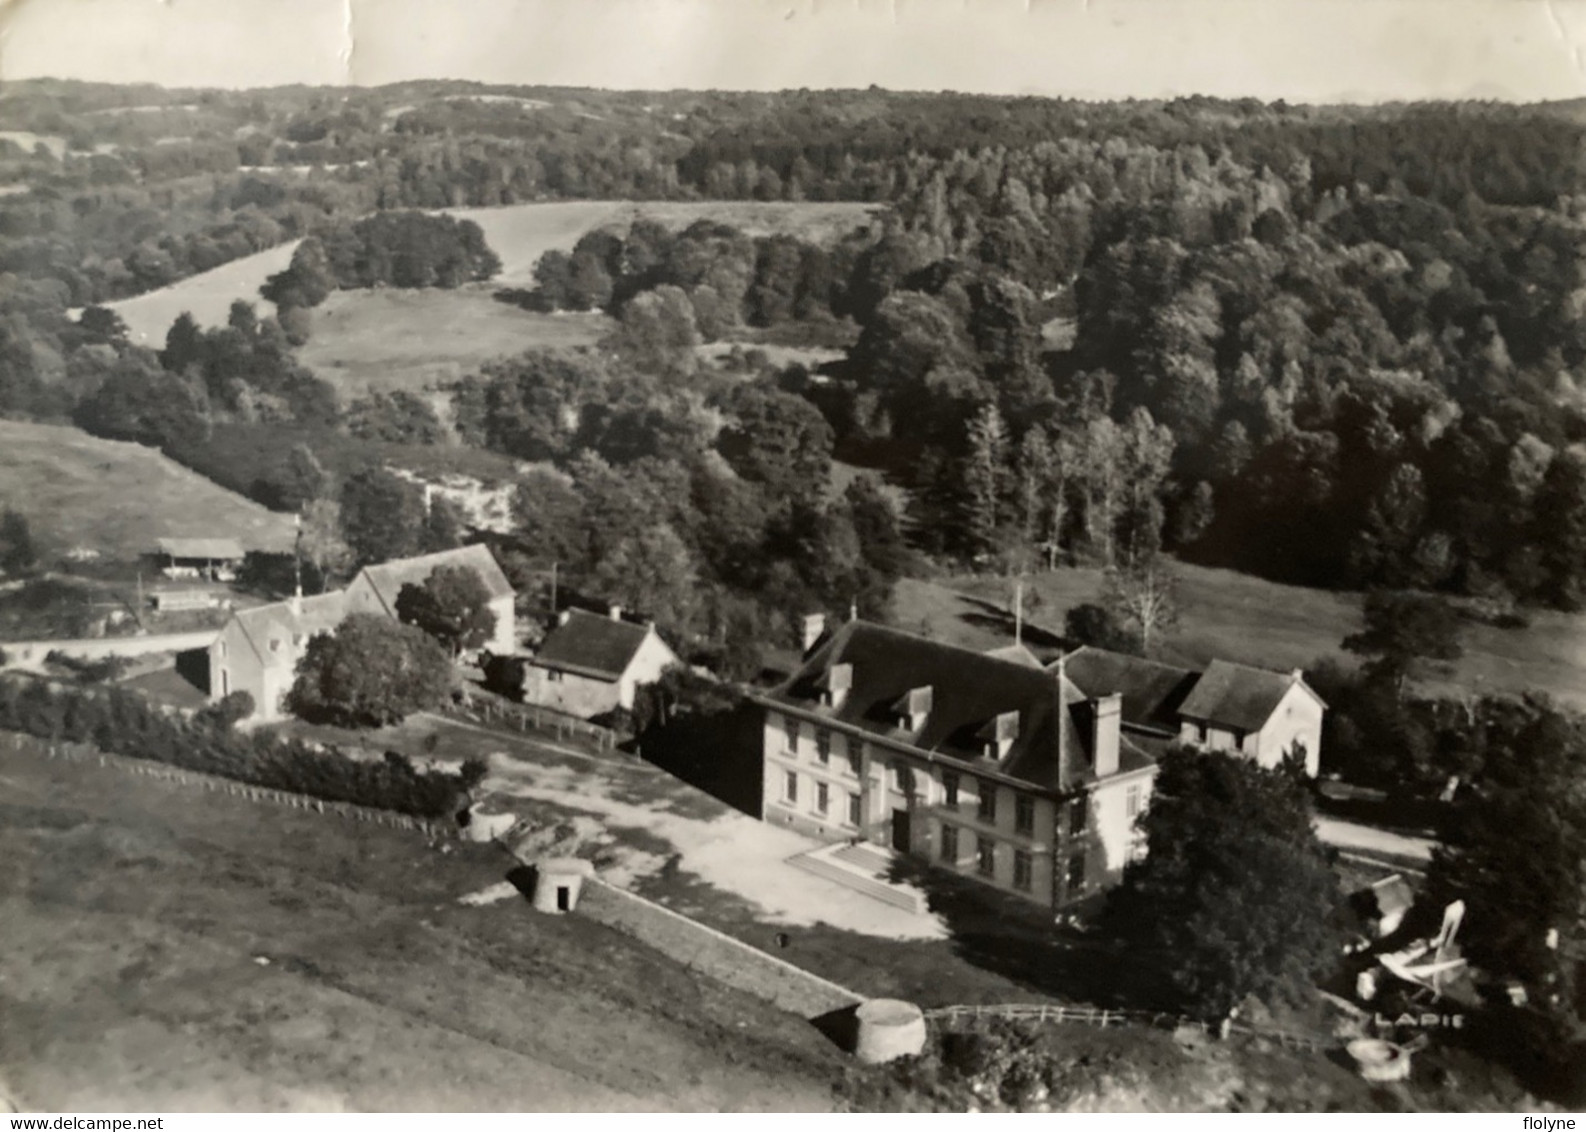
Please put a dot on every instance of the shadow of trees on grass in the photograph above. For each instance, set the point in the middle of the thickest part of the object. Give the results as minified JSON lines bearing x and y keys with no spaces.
{"x":1019,"y":941}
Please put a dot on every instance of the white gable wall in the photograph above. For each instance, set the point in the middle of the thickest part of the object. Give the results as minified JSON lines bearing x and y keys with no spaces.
{"x":649,"y":661}
{"x":1298,"y":717}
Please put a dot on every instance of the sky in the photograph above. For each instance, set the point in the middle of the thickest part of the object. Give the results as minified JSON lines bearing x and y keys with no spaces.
{"x":1299,"y":50}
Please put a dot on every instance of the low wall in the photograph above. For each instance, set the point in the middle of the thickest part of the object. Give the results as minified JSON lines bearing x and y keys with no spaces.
{"x":714,"y":953}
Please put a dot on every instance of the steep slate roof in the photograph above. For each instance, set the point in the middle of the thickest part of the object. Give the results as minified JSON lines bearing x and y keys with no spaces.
{"x":1152,"y":692}
{"x":217,"y":549}
{"x":588,"y":644}
{"x":969,"y":690}
{"x":1016,"y":653}
{"x":1237,"y":695}
{"x":388,"y":578}
{"x":319,"y":614}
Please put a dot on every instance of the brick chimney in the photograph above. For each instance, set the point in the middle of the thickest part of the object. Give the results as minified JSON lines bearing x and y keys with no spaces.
{"x":1106,"y":732}
{"x":813,"y":629}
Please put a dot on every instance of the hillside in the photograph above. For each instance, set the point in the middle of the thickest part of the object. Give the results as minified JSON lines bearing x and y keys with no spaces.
{"x":117,"y":498}
{"x":237,"y":956}
{"x":1252,"y":621}
{"x":387,"y":339}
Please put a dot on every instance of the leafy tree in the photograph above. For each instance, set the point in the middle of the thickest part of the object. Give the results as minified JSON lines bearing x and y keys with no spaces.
{"x":102,"y":324}
{"x":1100,"y":627}
{"x":1513,"y":845}
{"x":779,"y":440}
{"x":319,"y":539}
{"x":382,"y":515}
{"x":18,"y":552}
{"x":226,"y":712}
{"x":1404,"y":628}
{"x":370,"y":672}
{"x":652,"y":571}
{"x":985,"y":476}
{"x":1236,"y":898}
{"x":1144,"y":595}
{"x":452,"y":605}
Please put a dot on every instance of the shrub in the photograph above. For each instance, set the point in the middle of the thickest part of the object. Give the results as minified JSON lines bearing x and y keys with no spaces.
{"x":121,"y":722}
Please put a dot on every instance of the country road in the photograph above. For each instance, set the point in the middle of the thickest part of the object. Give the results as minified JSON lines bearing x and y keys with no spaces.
{"x":30,"y":654}
{"x":1370,"y":840}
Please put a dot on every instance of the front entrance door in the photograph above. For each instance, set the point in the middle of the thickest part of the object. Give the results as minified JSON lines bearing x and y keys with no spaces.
{"x":562,"y":895}
{"x":900,"y":830}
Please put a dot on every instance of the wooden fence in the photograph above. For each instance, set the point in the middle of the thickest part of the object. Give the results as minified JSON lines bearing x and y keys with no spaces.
{"x":509,"y":716}
{"x":214,"y":784}
{"x":1096,"y":1016}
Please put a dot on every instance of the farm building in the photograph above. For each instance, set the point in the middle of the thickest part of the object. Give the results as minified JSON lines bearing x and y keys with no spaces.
{"x":258,"y":649}
{"x":983,"y":764}
{"x":1262,"y":714}
{"x":589,"y":664}
{"x":375,"y":589}
{"x":216,"y":559}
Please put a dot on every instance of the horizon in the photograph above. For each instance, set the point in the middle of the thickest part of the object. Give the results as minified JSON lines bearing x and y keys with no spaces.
{"x":1309,"y":52}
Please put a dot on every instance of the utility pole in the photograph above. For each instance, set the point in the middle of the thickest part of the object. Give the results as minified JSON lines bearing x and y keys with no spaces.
{"x":1018,"y":611}
{"x":553,"y":589}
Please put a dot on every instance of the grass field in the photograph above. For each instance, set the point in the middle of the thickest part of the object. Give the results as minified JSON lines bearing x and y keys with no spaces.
{"x":391,"y":339}
{"x":1245,"y":619}
{"x":519,"y":234}
{"x":163,"y":949}
{"x":118,"y":497}
{"x":207,"y":296}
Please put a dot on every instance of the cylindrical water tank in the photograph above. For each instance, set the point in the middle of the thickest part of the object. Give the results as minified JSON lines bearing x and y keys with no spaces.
{"x":888,"y":1029}
{"x":557,"y":883}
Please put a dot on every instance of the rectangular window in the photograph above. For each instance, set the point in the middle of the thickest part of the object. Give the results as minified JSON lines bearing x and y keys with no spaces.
{"x":986,"y":856}
{"x":1137,"y":846}
{"x":790,"y":788}
{"x":790,"y":739}
{"x":1131,"y":800}
{"x":1078,"y":815}
{"x":823,"y":747}
{"x":988,"y":803}
{"x":950,"y":788}
{"x":950,"y":844}
{"x":856,"y":812}
{"x":855,"y":763}
{"x":1021,"y":870}
{"x":552,"y":676}
{"x":822,"y":798}
{"x":1024,"y":816}
{"x":903,"y":779}
{"x":1076,"y":872}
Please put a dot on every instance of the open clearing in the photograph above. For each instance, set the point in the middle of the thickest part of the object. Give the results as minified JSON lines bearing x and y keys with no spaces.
{"x":1252,"y":621}
{"x":164,"y":949}
{"x":518,"y":233}
{"x":391,"y":339}
{"x":117,"y":497}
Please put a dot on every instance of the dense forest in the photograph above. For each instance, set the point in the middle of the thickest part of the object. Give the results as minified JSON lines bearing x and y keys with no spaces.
{"x":1341,"y":346}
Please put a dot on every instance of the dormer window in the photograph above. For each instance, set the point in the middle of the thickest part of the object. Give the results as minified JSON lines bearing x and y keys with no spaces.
{"x":275,"y":644}
{"x":998,"y":735}
{"x":912,"y":708}
{"x":835,"y":684}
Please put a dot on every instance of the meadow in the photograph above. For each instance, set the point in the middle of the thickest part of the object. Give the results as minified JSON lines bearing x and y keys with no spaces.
{"x":167,"y":949}
{"x":117,"y":497}
{"x":386,"y":339}
{"x":1252,"y":621}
